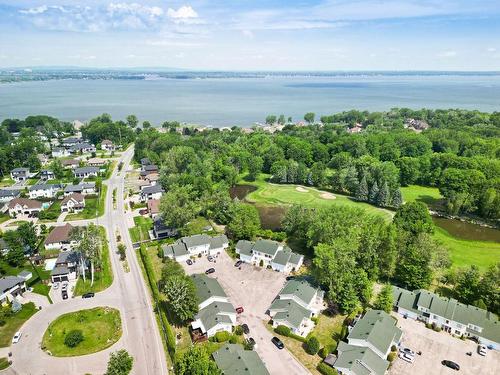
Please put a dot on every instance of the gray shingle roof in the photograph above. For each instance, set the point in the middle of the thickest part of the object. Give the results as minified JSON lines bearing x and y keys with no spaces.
{"x":231,"y":359}
{"x":207,"y":287}
{"x":266,"y":246}
{"x":8,"y":282}
{"x":244,"y":247}
{"x":152,"y":189}
{"x":83,"y":170}
{"x":360,"y":360}
{"x":79,"y":187}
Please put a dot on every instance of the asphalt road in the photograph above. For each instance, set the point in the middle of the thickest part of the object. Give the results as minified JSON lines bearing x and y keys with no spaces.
{"x":128,"y":293}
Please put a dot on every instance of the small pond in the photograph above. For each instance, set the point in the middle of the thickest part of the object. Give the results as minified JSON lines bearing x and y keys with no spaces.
{"x":467,"y":231}
{"x":241,"y":191}
{"x":271,"y":216}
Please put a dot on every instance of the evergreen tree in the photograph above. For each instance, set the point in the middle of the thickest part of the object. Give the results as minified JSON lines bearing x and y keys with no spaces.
{"x":362,"y":190}
{"x":384,"y":299}
{"x":397,"y":199}
{"x":372,"y":198}
{"x":384,"y":196}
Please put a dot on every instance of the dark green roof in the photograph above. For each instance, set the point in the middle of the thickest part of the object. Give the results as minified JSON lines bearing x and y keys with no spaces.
{"x":244,"y":247}
{"x":196,"y":240}
{"x":218,"y":241}
{"x":282,"y":257}
{"x":207,"y":287}
{"x":266,"y":247}
{"x":301,"y":289}
{"x":176,"y":249}
{"x":231,"y":359}
{"x":290,"y":312}
{"x":215,"y":313}
{"x":360,"y":360}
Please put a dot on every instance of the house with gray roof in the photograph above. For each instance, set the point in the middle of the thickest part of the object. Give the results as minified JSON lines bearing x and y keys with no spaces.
{"x":11,"y":287}
{"x":215,"y":312}
{"x":82,"y":148}
{"x":85,"y":188}
{"x":269,"y":254}
{"x":232,"y":359}
{"x":450,"y":315}
{"x":151,"y":192}
{"x":196,"y":245}
{"x":295,"y":305}
{"x":44,"y":190}
{"x":85,"y":172}
{"x":6,"y":195}
{"x":67,"y":266}
{"x":20,"y":174}
{"x":368,"y":344}
{"x":60,"y":152}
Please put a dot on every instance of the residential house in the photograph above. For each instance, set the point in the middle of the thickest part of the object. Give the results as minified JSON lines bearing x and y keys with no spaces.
{"x":153,"y":208}
{"x":152,"y":178}
{"x":448,"y":314}
{"x":67,"y":266}
{"x":60,"y":152}
{"x":86,"y":172}
{"x":368,"y":344}
{"x":70,"y":163}
{"x":82,"y":148}
{"x":96,"y":162}
{"x":73,"y":202}
{"x":24,"y":206}
{"x":85,"y":188}
{"x":145,"y":161}
{"x":269,"y":253}
{"x":46,"y":175}
{"x":232,"y":359}
{"x":11,"y":287}
{"x":295,"y":305}
{"x":44,"y":191}
{"x":60,"y":238}
{"x":216,"y":313}
{"x":4,"y":247}
{"x":148,"y":169}
{"x":6,"y":195}
{"x":151,"y":192}
{"x":26,"y":275}
{"x":107,"y":145}
{"x":161,"y":231}
{"x":71,"y":141}
{"x":20,"y":174}
{"x":193,"y":246}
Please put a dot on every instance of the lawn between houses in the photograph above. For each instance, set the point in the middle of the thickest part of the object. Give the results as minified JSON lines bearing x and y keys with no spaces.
{"x":14,"y":322}
{"x":101,"y":327}
{"x":140,"y":231}
{"x":35,"y":282}
{"x":93,"y":205}
{"x":102,"y":279}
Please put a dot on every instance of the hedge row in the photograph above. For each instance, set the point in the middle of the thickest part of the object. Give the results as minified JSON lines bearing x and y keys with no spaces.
{"x":326,"y":369}
{"x":285,"y":331}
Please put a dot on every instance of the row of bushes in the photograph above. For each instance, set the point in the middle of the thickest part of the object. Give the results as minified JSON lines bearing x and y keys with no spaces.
{"x":433,"y":326}
{"x":325,"y":369}
{"x":285,"y":331}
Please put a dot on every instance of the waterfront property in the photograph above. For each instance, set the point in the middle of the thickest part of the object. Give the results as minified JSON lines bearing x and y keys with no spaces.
{"x":448,"y":314}
{"x":11,"y":287}
{"x":216,"y":313}
{"x":197,"y":245}
{"x":295,"y":305}
{"x":232,"y":359}
{"x":368,"y":344}
{"x":269,"y":253}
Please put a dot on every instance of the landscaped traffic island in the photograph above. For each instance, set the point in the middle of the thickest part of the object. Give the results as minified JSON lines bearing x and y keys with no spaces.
{"x":83,"y":332}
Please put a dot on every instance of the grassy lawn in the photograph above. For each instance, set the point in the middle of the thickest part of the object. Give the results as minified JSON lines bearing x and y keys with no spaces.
{"x":101,"y":328}
{"x":141,"y":230}
{"x":93,"y":205}
{"x":14,"y":322}
{"x":4,"y":363}
{"x":34,"y":282}
{"x":4,"y":218}
{"x":109,"y":169}
{"x":32,"y":181}
{"x":102,"y":279}
{"x":464,"y":253}
{"x":53,"y":210}
{"x":429,"y":195}
{"x":6,"y":182}
{"x":274,"y":194}
{"x":16,"y":223}
{"x":197,"y":226}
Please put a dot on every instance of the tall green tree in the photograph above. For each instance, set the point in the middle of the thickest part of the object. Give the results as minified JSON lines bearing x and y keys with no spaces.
{"x":89,"y":245}
{"x":245,"y":221}
{"x":397,"y":198}
{"x":414,"y":217}
{"x":374,"y":190}
{"x":309,"y":117}
{"x":132,"y":121}
{"x":384,"y":299}
{"x":362,"y":190}
{"x":180,"y":293}
{"x":178,"y":206}
{"x":468,"y":285}
{"x":414,"y":264}
{"x":384,"y":196}
{"x":196,"y":361}
{"x":120,"y":363}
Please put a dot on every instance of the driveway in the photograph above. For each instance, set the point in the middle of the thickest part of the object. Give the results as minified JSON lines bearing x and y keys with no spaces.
{"x":437,"y":346}
{"x":253,"y":288}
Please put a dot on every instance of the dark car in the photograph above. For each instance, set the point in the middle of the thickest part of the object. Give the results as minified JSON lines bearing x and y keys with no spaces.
{"x":251,"y":342}
{"x":209,"y":271}
{"x":239,"y":310}
{"x":238,"y":263}
{"x":451,"y":364}
{"x":277,"y":342}
{"x":88,"y":295}
{"x":245,"y":328}
{"x":189,"y":262}
{"x":64,"y":295}
{"x":288,"y":278}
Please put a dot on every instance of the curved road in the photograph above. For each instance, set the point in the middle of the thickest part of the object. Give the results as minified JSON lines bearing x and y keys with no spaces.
{"x":128,"y":293}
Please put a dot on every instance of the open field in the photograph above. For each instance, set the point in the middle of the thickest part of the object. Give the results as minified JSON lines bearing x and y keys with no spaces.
{"x":101,"y":328}
{"x":428,"y":195}
{"x":102,"y":279}
{"x":14,"y":322}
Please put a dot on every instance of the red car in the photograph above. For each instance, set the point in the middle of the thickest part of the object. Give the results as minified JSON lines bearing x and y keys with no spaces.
{"x":239,"y":310}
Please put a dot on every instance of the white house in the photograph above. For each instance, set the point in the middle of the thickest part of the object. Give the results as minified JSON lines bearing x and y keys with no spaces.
{"x":73,"y":203}
{"x":107,"y":145}
{"x":96,"y":162}
{"x":60,"y":238}
{"x":269,"y":253}
{"x":151,"y":192}
{"x":71,"y":141}
{"x":44,"y":191}
{"x":11,"y":287}
{"x":24,"y":206}
{"x":70,"y":163}
{"x":67,"y":266}
{"x":60,"y":152}
{"x":20,"y":174}
{"x":86,"y":172}
{"x":215,"y":312}
{"x":197,"y":245}
{"x":85,"y":188}
{"x":295,"y":305}
{"x":6,"y":195}
{"x":82,"y":148}
{"x":47,"y":175}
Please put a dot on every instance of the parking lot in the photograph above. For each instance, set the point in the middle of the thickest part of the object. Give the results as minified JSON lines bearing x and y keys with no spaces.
{"x":438,"y":346}
{"x":252,"y":288}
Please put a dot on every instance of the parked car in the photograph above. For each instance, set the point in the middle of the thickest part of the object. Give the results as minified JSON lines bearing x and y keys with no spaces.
{"x":210,"y":258}
{"x":16,"y":337}
{"x":88,"y":295}
{"x":277,"y":342}
{"x":406,"y":357}
{"x":238,"y":263}
{"x":251,"y":342}
{"x":189,"y":262}
{"x":64,"y":286}
{"x":288,"y":278}
{"x":239,"y":310}
{"x":64,"y":294}
{"x":209,"y":271}
{"x":407,"y":351}
{"x":143,"y":211}
{"x":481,"y":349}
{"x":55,"y":286}
{"x":451,"y":364}
{"x":245,"y":328}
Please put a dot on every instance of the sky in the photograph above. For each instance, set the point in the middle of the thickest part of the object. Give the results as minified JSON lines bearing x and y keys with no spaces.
{"x":253,"y":35}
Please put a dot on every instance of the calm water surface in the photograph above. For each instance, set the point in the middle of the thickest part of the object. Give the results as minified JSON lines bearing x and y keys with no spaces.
{"x":243,"y":101}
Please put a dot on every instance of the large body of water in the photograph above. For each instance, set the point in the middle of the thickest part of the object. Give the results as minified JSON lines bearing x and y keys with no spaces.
{"x":244,"y":101}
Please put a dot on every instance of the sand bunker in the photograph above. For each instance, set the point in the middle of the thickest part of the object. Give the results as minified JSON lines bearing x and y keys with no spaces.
{"x":327,"y":196}
{"x":301,"y":189}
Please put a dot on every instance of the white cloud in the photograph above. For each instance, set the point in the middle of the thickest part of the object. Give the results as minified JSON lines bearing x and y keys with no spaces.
{"x":491,"y":49}
{"x":447,"y":54}
{"x":35,"y":10}
{"x":247,"y":33}
{"x":171,"y":43}
{"x":184,"y":12}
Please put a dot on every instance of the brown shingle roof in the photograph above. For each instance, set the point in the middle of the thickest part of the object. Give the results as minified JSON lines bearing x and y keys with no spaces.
{"x":69,"y":162}
{"x":59,"y":234}
{"x":29,"y":203}
{"x":79,"y":198}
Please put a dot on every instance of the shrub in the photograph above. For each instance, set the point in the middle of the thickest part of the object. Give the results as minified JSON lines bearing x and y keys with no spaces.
{"x":311,"y":345}
{"x":327,"y":349}
{"x":392,"y":356}
{"x":394,"y":348}
{"x":73,"y":338}
{"x":428,"y":325}
{"x":261,"y":263}
{"x":437,"y":329}
{"x":247,"y":345}
{"x":222,"y":336}
{"x":325,"y":369}
{"x":238,"y":330}
{"x":282,"y":330}
{"x":233,"y":339}
{"x":315,"y":319}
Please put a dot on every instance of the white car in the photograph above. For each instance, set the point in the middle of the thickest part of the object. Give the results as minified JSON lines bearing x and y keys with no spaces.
{"x":55,"y":286}
{"x":406,"y":357}
{"x":481,"y":349}
{"x":16,"y":337}
{"x":407,"y":351}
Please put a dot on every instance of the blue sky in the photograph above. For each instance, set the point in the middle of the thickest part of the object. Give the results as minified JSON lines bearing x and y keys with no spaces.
{"x":253,"y":35}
